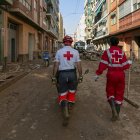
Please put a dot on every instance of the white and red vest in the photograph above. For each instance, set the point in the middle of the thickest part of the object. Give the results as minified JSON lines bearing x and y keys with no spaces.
{"x":67,"y":56}
{"x":113,"y":59}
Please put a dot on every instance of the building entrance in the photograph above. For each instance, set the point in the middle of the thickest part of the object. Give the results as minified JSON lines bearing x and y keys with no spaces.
{"x":12,"y":46}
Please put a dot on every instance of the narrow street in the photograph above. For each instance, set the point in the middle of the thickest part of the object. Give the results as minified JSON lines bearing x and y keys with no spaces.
{"x":29,"y":111}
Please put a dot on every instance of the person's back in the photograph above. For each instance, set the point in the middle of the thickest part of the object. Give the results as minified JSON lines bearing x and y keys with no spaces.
{"x":66,"y":61}
{"x":114,"y":59}
{"x":67,"y":57}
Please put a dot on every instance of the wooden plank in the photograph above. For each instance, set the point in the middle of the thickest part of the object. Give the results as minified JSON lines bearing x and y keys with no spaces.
{"x":131,"y":102}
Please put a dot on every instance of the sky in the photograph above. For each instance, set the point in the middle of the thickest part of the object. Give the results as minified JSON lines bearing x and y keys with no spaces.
{"x":71,"y":11}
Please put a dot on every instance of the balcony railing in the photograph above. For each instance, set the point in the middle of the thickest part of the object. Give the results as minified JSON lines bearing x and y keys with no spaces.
{"x":26,"y":14}
{"x":20,"y":9}
{"x":44,"y":5}
{"x":6,"y":2}
{"x":52,"y":31}
{"x":49,"y":2}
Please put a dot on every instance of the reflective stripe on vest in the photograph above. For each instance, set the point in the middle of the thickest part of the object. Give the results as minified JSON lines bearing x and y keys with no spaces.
{"x":105,"y":62}
{"x":114,"y":65}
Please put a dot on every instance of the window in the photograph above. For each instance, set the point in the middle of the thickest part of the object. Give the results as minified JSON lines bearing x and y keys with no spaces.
{"x":125,"y":8}
{"x":136,"y":4}
{"x":121,"y":11}
{"x":26,"y":4}
{"x":113,"y":18}
{"x":35,"y":4}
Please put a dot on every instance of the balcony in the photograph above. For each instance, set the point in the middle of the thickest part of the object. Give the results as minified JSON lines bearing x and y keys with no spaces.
{"x":44,"y":6}
{"x":50,"y":30}
{"x":6,"y":2}
{"x":49,"y":2}
{"x":130,"y":21}
{"x":121,"y":1}
{"x":49,"y":12}
{"x":24,"y":13}
{"x":19,"y":9}
{"x":50,"y":15}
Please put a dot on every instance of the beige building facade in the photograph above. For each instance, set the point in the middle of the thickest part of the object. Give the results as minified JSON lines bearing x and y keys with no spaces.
{"x":125,"y":23}
{"x":120,"y":18}
{"x":27,"y":30}
{"x":61,"y":31}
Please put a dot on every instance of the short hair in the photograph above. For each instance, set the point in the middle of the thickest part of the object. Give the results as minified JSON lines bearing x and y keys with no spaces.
{"x":114,"y":41}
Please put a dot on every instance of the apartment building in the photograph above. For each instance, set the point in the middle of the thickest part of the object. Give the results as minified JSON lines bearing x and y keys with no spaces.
{"x":125,"y":23}
{"x":80,"y":34}
{"x":61,"y":31}
{"x":88,"y":8}
{"x":52,"y":22}
{"x":27,"y":28}
{"x":120,"y":18}
{"x":100,"y":27}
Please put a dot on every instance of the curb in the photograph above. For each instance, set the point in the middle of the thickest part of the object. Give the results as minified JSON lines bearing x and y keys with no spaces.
{"x":12,"y":81}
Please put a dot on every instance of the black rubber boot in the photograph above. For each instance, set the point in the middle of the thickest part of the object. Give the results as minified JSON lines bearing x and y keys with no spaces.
{"x":113,"y":108}
{"x":118,"y":108}
{"x":70,"y":106}
{"x":65,"y":112}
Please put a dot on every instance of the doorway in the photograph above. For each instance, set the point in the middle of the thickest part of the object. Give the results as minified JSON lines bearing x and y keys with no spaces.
{"x":31,"y":41}
{"x":12,"y":49}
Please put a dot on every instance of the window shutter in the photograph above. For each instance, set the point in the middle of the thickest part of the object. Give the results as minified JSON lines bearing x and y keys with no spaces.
{"x":127,"y":7}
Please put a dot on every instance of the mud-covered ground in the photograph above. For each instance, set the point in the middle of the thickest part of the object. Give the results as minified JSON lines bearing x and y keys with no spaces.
{"x":29,"y":110}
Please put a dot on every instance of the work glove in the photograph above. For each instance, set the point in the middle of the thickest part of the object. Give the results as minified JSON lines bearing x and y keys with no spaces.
{"x":130,"y":62}
{"x":80,"y":79}
{"x":54,"y":80}
{"x":96,"y":77}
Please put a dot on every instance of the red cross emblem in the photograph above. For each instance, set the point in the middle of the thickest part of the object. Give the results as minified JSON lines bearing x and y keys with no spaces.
{"x":116,"y":56}
{"x":68,"y":55}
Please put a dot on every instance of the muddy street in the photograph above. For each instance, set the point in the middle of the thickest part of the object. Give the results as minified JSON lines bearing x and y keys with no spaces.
{"x":29,"y":111}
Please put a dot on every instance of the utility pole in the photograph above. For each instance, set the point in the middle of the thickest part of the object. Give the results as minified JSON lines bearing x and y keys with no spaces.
{"x":129,"y":80}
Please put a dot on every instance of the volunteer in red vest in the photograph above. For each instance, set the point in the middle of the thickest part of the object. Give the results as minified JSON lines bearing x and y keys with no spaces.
{"x":114,"y":59}
{"x":67,"y":60}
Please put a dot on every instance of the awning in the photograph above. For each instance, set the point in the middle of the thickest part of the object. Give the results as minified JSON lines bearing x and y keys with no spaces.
{"x":98,"y":10}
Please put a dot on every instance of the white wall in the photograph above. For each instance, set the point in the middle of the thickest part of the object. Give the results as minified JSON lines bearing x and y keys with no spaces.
{"x":80,"y":30}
